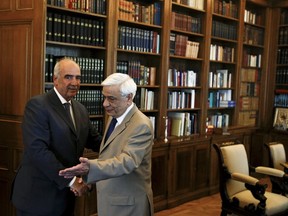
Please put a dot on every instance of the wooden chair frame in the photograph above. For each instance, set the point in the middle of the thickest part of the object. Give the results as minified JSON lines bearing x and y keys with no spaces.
{"x":252,"y":184}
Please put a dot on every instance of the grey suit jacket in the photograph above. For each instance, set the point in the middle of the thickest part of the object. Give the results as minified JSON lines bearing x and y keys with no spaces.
{"x":51,"y":143}
{"x":123,"y":170}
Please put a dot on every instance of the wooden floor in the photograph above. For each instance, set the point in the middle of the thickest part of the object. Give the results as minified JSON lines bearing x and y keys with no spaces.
{"x":206,"y":206}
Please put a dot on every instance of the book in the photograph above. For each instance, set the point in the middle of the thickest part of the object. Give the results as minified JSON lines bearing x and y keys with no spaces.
{"x":177,"y":123}
{"x":152,"y":76}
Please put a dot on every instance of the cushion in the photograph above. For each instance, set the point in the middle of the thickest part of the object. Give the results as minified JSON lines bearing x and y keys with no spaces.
{"x":278,"y":155}
{"x":274,"y":203}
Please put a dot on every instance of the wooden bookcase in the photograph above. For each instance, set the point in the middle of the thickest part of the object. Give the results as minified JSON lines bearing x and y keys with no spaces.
{"x":251,"y":70}
{"x":281,"y":79}
{"x":223,"y":64}
{"x":79,"y":32}
{"x":139,"y":53}
{"x":183,"y":166}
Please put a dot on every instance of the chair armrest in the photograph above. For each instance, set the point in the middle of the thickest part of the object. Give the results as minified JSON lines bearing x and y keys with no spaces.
{"x":269,"y":171}
{"x":244,"y":178}
{"x":285,"y":165}
{"x":254,"y":186}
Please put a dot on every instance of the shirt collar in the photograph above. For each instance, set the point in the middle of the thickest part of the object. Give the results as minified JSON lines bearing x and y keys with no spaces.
{"x":60,"y":97}
{"x":121,"y":118}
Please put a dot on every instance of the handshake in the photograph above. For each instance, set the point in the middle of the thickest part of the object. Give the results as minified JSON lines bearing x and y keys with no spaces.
{"x":79,"y":188}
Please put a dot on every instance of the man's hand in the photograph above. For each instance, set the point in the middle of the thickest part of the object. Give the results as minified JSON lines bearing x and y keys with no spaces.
{"x":79,"y":187}
{"x":78,"y":170}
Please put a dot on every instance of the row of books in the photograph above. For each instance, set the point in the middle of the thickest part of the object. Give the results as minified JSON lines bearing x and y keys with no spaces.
{"x":220,"y":79}
{"x":220,"y":98}
{"x":92,"y":99}
{"x":249,"y":89}
{"x":180,"y":45}
{"x":197,"y":4}
{"x":247,"y":118}
{"x":222,"y":53}
{"x":252,"y":17}
{"x":226,"y":8}
{"x":283,"y":35}
{"x":250,"y":75}
{"x":90,"y":6}
{"x":92,"y":69}
{"x":282,"y":75}
{"x":253,"y":35}
{"x":182,"y":123}
{"x":282,"y":56}
{"x":142,"y":75}
{"x":136,"y":39}
{"x":144,"y":99}
{"x":181,"y":99}
{"x":185,"y":22}
{"x":98,"y":125}
{"x":281,"y":100}
{"x":251,"y":60}
{"x":134,"y":11}
{"x":73,"y":29}
{"x":249,"y":103}
{"x":224,"y":30}
{"x":219,"y":120}
{"x":185,"y":78}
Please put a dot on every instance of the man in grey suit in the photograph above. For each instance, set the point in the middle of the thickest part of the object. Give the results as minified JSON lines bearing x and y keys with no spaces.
{"x":123,"y":170}
{"x":52,"y":141}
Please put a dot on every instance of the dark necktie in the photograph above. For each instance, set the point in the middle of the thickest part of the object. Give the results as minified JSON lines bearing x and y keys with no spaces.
{"x":67,"y":108}
{"x":111,"y":128}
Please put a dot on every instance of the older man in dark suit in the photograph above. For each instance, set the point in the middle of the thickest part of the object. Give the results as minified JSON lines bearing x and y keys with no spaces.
{"x":53,"y":140}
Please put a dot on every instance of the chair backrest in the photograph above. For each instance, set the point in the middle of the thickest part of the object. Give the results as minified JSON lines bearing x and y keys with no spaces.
{"x":277,"y":154}
{"x":235,"y":159}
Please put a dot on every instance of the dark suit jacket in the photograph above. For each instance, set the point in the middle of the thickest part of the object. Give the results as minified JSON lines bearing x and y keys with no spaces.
{"x":50,"y":144}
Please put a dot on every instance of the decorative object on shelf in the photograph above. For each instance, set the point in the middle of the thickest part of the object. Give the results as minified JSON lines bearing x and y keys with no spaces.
{"x":281,"y":119}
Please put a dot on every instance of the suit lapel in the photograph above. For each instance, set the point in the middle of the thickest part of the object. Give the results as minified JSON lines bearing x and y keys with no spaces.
{"x":59,"y":109}
{"x":118,"y":130}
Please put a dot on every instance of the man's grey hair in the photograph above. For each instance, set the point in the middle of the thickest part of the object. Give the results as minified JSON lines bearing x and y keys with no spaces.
{"x":125,"y":82}
{"x":59,"y":63}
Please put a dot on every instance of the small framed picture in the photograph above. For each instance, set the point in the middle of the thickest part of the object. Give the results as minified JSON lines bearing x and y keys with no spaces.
{"x":281,"y":119}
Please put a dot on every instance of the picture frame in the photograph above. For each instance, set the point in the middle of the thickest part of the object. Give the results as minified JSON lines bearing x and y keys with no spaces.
{"x":281,"y":119}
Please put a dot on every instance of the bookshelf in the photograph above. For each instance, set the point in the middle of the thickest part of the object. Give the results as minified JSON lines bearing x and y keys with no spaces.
{"x":78,"y":32}
{"x":139,"y":42}
{"x":281,"y":80}
{"x":223,"y":63}
{"x":251,"y":65}
{"x":186,"y":53}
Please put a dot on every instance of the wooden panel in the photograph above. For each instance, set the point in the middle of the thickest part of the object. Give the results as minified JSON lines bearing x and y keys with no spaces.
{"x":5,"y":192}
{"x":15,"y":68}
{"x":10,"y":137}
{"x":202,"y":164}
{"x":24,"y":4}
{"x":160,"y":177}
{"x":5,"y":5}
{"x":4,"y":159}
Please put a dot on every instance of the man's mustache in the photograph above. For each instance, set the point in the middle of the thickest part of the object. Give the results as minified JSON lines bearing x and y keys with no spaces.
{"x":72,"y":87}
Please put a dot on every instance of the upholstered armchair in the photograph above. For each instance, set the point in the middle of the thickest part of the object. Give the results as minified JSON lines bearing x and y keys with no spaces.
{"x":277,"y":160}
{"x":241,"y":193}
